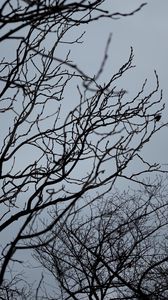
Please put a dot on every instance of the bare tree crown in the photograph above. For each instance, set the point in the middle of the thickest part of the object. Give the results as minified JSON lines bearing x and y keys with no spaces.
{"x":54,"y":150}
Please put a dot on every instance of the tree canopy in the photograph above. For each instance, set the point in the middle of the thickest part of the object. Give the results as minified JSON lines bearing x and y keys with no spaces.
{"x":56,"y":150}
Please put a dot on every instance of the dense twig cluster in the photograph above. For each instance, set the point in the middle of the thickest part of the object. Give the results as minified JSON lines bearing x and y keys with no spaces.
{"x":51,"y":157}
{"x":45,"y":14}
{"x":116,"y":250}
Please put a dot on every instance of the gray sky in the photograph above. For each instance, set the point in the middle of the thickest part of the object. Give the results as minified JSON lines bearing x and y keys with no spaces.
{"x":147,"y":33}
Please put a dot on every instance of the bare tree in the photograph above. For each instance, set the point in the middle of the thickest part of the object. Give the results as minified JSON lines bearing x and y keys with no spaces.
{"x":51,"y":155}
{"x":116,"y":250}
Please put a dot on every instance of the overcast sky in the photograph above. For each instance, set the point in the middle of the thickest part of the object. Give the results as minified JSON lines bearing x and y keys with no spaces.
{"x":147,"y":33}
